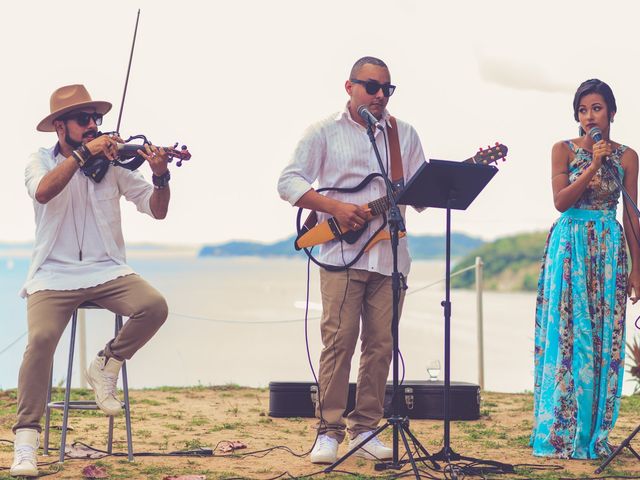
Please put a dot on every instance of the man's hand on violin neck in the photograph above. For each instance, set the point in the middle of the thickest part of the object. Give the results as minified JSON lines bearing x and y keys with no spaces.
{"x":105,"y":145}
{"x":158,"y":158}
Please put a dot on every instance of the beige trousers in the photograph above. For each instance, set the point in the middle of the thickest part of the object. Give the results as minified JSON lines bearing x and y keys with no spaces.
{"x":347,"y":297}
{"x":49,"y":311}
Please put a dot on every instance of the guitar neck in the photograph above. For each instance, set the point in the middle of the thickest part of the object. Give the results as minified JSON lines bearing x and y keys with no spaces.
{"x":379,"y":205}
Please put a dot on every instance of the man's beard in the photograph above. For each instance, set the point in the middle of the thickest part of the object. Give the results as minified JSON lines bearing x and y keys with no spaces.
{"x":69,"y":141}
{"x":73,"y":143}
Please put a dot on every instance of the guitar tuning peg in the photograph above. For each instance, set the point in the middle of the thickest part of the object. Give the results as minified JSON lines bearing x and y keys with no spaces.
{"x":488,"y":147}
{"x":497,"y":144}
{"x":480,"y":149}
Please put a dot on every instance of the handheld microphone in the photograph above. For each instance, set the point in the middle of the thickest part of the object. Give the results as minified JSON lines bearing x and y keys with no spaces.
{"x":368,"y":117}
{"x":596,"y":134}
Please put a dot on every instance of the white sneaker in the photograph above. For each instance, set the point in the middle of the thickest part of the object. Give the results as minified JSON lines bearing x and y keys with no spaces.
{"x":325,"y":450}
{"x":373,"y":450}
{"x":103,"y":378}
{"x":25,"y":463}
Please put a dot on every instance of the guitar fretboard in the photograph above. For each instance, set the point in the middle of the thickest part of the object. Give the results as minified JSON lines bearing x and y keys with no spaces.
{"x":379,"y":206}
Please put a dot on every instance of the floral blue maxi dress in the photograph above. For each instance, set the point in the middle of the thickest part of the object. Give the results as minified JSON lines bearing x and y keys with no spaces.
{"x":580,"y":319}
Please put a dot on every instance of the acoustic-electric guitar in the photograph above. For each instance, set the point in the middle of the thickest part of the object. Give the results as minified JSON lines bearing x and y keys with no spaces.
{"x":312,"y":233}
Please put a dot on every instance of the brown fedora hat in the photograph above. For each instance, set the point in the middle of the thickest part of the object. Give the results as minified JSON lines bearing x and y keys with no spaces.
{"x":66,"y":99}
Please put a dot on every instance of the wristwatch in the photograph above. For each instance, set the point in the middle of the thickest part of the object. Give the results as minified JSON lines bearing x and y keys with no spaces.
{"x":160,"y":182}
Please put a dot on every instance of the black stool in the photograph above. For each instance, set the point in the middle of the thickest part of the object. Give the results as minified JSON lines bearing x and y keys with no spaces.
{"x":67,"y":405}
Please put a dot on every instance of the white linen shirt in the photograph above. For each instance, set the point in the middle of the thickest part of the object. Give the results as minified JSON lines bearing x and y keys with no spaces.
{"x":337,"y":152}
{"x":104,"y":201}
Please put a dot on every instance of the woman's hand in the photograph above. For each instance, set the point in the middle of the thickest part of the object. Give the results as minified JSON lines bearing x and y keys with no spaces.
{"x":633,"y":286}
{"x":601,"y":151}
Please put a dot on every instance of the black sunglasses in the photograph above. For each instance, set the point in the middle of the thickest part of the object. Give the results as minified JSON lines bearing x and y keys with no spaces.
{"x":372,"y":87}
{"x":82,"y":118}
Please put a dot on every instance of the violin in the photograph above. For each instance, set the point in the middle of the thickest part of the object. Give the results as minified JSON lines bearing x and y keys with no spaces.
{"x":128,"y":151}
{"x":128,"y":156}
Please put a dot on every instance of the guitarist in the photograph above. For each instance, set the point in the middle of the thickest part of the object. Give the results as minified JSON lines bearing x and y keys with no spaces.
{"x":79,"y":256}
{"x":336,"y":152}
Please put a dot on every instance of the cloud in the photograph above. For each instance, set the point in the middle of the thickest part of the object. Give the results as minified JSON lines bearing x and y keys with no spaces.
{"x":510,"y":74}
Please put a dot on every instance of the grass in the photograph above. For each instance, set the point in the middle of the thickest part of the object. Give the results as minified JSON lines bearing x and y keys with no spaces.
{"x":208,"y":415}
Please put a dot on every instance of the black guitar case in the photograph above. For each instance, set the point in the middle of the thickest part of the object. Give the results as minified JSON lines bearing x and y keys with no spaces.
{"x":418,"y":399}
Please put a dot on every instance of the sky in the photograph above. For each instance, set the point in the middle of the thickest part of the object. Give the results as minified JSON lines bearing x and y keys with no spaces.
{"x":238,"y":82}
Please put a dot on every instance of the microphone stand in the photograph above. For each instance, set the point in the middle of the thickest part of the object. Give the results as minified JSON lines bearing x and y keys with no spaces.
{"x":626,"y":443}
{"x":399,"y":424}
{"x":613,"y":174}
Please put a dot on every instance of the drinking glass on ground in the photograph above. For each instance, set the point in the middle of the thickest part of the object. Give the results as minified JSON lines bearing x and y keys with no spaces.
{"x":433,"y":370}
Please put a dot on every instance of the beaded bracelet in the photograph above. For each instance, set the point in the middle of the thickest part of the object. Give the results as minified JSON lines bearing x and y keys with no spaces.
{"x":79,"y":158}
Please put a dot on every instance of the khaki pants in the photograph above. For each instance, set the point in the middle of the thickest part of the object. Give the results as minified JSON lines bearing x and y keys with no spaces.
{"x":49,"y":311}
{"x":346,"y":297}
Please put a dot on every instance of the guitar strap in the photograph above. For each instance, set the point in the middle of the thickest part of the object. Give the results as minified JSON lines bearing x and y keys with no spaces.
{"x":397,"y":173}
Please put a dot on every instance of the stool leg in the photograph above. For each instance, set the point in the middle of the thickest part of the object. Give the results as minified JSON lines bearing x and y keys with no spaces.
{"x":47,"y":419}
{"x":67,"y":393}
{"x":125,"y":388}
{"x":110,"y":438}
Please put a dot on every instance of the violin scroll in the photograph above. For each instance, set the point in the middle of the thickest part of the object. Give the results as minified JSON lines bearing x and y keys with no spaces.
{"x":183,"y":154}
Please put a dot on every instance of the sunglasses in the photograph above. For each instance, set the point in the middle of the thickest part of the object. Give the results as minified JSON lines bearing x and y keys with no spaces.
{"x":83,"y":118}
{"x":372,"y":87}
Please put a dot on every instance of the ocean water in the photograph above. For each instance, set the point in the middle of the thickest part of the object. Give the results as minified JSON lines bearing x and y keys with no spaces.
{"x":240,"y":320}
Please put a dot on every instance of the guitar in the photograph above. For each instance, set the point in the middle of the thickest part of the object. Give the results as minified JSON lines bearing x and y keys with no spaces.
{"x":313,"y":233}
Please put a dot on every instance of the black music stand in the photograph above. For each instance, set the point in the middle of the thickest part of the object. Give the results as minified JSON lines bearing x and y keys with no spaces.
{"x":449,"y":185}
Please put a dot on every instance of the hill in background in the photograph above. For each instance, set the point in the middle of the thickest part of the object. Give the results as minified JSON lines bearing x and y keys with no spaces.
{"x":422,"y":247}
{"x":510,"y":263}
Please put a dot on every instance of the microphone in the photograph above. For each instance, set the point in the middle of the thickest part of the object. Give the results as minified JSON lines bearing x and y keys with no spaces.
{"x":368,"y":117}
{"x":596,"y":134}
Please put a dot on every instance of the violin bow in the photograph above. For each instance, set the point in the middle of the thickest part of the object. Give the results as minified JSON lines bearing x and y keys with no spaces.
{"x":126,"y":81}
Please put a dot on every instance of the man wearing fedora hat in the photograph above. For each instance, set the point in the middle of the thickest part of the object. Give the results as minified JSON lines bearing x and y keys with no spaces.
{"x":79,"y":256}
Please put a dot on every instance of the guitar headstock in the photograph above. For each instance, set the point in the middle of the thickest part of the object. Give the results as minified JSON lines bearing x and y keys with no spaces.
{"x":181,"y":154}
{"x":491,"y":154}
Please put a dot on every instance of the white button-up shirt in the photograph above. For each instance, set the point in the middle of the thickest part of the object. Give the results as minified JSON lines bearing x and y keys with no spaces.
{"x":337,"y":152}
{"x":106,"y":257}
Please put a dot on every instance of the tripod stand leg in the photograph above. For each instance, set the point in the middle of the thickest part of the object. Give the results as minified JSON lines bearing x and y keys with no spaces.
{"x":409,"y":454}
{"x":633,"y":451}
{"x":354,"y":449}
{"x":623,"y":444}
{"x":416,"y":442}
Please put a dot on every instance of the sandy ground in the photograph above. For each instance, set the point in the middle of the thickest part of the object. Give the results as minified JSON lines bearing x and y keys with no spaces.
{"x":173,"y":419}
